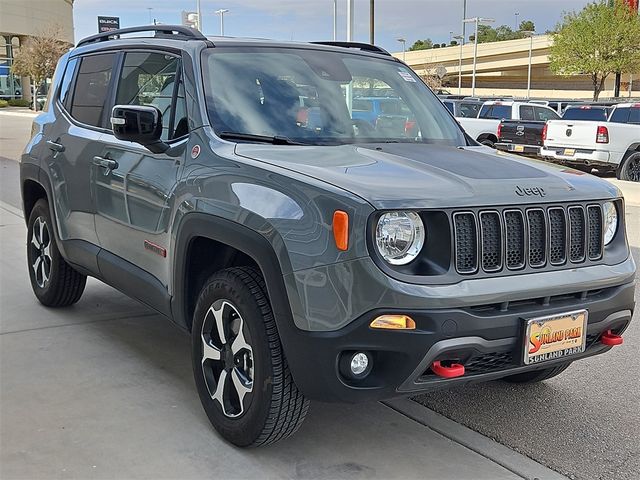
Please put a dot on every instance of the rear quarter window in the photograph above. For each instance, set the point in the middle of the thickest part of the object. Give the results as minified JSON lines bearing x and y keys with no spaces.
{"x":64,"y":94}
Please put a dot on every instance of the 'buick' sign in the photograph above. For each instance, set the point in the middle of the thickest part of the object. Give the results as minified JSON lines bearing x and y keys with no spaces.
{"x":107,"y":24}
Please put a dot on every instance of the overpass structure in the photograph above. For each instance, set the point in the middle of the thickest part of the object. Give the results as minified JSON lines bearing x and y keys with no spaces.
{"x":502,"y":70}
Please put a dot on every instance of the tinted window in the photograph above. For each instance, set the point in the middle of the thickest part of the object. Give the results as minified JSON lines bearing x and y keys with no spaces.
{"x":362,"y":105}
{"x":582,"y":113}
{"x":498,"y":112}
{"x":620,"y":115}
{"x":634,"y":115}
{"x":92,"y":86}
{"x":449,"y":106}
{"x":544,"y":114}
{"x":469,"y":110}
{"x":150,"y":79}
{"x":526,"y":112}
{"x":65,"y":86}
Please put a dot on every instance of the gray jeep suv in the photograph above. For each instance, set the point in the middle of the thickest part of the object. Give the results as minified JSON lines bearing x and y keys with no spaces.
{"x":226,"y":184}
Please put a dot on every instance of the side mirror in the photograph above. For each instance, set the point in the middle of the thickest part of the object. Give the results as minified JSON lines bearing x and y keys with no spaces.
{"x":140,"y":124}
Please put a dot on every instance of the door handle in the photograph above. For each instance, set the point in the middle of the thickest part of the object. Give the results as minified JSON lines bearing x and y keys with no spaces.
{"x":106,"y":163}
{"x":55,"y":147}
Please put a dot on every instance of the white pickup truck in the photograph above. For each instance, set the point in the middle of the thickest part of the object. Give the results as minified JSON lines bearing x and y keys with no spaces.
{"x":484,"y":129}
{"x":610,"y":145}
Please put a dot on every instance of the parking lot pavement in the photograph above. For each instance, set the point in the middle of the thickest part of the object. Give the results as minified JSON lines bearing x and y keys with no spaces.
{"x":104,"y":389}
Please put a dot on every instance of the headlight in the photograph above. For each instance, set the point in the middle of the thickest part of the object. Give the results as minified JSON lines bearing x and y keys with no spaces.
{"x":610,"y":221}
{"x":399,"y":237}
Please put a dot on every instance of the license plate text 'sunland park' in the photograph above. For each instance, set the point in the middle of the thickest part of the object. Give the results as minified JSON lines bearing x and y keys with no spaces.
{"x":548,"y":338}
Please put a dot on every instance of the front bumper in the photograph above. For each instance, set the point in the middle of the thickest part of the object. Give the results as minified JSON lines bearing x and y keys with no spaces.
{"x":516,"y":148}
{"x":487,"y":339}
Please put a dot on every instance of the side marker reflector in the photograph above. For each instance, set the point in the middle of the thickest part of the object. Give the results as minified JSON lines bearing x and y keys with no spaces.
{"x":341,"y":229}
{"x":393,"y":322}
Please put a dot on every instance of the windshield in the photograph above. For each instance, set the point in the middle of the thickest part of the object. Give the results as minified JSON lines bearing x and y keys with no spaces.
{"x":321,"y":97}
{"x":582,"y":113}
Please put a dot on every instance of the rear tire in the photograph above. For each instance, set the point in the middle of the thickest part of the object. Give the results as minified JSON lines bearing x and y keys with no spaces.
{"x":537,"y":375}
{"x":239,"y":366}
{"x":54,"y":282}
{"x":487,"y":142}
{"x":629,"y":169}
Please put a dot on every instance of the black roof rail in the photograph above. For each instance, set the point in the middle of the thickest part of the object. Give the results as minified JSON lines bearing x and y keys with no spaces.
{"x":176,"y":32}
{"x":367,"y":47}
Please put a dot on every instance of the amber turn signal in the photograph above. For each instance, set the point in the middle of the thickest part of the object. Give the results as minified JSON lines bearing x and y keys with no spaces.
{"x":341,"y":229}
{"x":394,"y":322}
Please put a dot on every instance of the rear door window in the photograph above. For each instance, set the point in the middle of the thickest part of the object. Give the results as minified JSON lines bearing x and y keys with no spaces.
{"x":449,"y":106}
{"x":526,"y":112}
{"x":634,"y":115}
{"x":469,"y":110}
{"x":620,"y":115}
{"x":543,"y":114}
{"x":91,"y":89}
{"x":496,"y":112}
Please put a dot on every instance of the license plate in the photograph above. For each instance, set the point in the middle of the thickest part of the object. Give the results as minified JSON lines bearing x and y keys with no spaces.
{"x":518,"y":148}
{"x":570,"y":152}
{"x":555,"y":336}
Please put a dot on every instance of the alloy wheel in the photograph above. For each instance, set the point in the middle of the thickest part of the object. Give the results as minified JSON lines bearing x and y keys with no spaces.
{"x":41,"y":252}
{"x":227,"y":358}
{"x":633,"y":169}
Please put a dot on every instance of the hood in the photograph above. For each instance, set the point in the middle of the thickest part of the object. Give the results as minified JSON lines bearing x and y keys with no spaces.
{"x":404,"y":175}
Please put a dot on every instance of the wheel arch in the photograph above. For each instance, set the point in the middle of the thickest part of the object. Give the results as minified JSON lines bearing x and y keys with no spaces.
{"x":487,"y":136}
{"x":236,"y":245}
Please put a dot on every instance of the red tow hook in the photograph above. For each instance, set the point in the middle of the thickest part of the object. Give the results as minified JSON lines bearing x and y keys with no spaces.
{"x":451,"y":370}
{"x":611,"y":339}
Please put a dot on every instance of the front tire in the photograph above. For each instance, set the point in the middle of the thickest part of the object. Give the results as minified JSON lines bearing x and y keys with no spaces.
{"x":537,"y":375}
{"x":240,"y":370}
{"x":54,"y":282}
{"x":630,"y":168}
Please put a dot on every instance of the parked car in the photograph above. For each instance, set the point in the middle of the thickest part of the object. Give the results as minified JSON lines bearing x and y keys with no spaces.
{"x":485,"y":128}
{"x":390,"y":114}
{"x":525,"y":136}
{"x":608,"y":145}
{"x":559,"y":106}
{"x":463,"y":108}
{"x":598,"y":113}
{"x":338,"y":263}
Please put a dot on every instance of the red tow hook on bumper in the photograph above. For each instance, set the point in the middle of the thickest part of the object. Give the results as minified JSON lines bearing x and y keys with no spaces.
{"x":451,"y":370}
{"x":611,"y":339}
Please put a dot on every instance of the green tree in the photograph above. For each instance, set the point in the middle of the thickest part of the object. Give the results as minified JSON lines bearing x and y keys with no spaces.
{"x":421,"y":45}
{"x":599,"y":40}
{"x":527,"y":26}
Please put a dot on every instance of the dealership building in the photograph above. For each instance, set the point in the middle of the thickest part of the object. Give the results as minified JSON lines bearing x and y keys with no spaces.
{"x":20,"y":19}
{"x":502,"y":69}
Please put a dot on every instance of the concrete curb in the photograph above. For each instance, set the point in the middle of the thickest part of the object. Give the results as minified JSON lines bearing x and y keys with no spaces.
{"x":494,"y":451}
{"x":14,"y":113}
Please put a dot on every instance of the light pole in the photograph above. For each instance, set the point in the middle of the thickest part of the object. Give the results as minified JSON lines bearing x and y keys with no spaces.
{"x":372,"y":22}
{"x":460,"y":38}
{"x":221,"y":12}
{"x":199,"y":13}
{"x":150,"y":15}
{"x":335,"y":20}
{"x":477,"y":21}
{"x":404,"y":44}
{"x":530,"y":34}
{"x":464,"y":25}
{"x":517,"y":28}
{"x":349,"y":20}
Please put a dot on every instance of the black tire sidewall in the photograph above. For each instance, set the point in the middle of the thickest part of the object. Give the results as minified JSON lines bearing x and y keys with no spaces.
{"x":47,"y":293}
{"x":622,"y":171}
{"x":245,"y":429}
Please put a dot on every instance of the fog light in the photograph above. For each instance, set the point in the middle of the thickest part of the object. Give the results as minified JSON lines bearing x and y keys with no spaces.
{"x":359,"y":363}
{"x":356,"y":365}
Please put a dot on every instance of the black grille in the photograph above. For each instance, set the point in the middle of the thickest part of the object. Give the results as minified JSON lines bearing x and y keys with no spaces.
{"x":576,"y":234}
{"x":557,"y":236}
{"x":466,"y":243}
{"x":537,"y":237}
{"x":530,"y":237}
{"x":491,"y":241}
{"x":488,"y":362}
{"x":514,"y":229}
{"x":594,"y":213}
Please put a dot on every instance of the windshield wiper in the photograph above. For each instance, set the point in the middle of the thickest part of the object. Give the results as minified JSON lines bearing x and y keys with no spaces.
{"x":275,"y":140}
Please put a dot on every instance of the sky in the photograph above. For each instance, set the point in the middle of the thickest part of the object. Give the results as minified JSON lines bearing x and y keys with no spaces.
{"x":307,"y":20}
